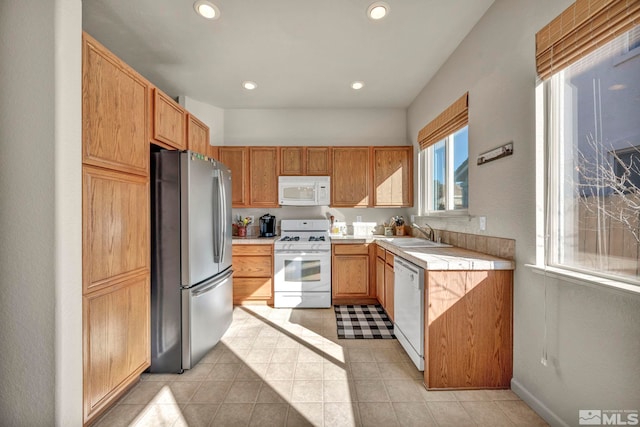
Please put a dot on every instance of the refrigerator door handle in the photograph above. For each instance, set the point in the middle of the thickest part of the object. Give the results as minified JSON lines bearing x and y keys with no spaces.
{"x":223,"y":209}
{"x":217,"y":226}
{"x":216,"y":283}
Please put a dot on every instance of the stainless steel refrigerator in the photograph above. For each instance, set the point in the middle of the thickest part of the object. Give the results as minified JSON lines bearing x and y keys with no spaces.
{"x":191,"y":283}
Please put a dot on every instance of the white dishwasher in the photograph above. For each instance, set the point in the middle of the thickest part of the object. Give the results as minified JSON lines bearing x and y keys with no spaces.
{"x":409,"y":309}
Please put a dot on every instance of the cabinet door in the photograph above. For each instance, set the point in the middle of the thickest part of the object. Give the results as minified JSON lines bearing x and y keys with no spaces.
{"x":350,"y":276}
{"x":389,"y":281}
{"x":292,"y":161}
{"x":236,"y":159}
{"x":115,"y":106}
{"x":393,"y":176}
{"x":263,"y":176}
{"x":380,"y":280}
{"x":318,"y":161}
{"x":116,"y":347}
{"x":350,"y":177}
{"x":115,"y":224}
{"x":197,"y":136}
{"x":213,"y":152}
{"x":169,"y":121}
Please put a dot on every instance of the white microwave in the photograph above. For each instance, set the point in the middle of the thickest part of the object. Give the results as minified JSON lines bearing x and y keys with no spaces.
{"x":304,"y":190}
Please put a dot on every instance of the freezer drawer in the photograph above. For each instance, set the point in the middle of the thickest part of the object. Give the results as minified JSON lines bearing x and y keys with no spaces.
{"x":207,"y":311}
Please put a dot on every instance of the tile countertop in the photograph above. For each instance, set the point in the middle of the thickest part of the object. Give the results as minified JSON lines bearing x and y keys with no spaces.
{"x":452,"y":258}
{"x":428,"y":258}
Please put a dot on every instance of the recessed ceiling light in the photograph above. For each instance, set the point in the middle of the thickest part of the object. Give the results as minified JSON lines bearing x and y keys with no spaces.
{"x":377,"y":10}
{"x":357,"y":85}
{"x":206,"y":9}
{"x":249,"y":85}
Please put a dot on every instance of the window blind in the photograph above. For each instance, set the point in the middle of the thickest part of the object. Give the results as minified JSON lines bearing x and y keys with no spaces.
{"x":582,"y":28}
{"x":454,"y":118}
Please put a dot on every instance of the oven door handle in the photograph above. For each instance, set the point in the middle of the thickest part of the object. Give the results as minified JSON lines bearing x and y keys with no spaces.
{"x":301,"y":252}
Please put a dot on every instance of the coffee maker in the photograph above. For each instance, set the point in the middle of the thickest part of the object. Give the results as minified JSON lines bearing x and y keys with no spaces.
{"x":267,"y":225}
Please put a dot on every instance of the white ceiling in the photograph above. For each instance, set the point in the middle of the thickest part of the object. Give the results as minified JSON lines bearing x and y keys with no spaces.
{"x":302,"y":54}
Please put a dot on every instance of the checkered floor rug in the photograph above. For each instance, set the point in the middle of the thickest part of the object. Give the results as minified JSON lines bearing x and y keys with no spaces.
{"x":363,"y":322}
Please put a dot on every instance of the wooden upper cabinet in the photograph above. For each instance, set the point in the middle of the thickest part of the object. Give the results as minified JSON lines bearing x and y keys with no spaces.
{"x":263,"y":176}
{"x":305,"y":161}
{"x":393,"y":176}
{"x":197,"y":136}
{"x":116,"y":224}
{"x":318,"y":161}
{"x":213,"y":152}
{"x":115,"y":105}
{"x":292,"y":161}
{"x":350,"y":177}
{"x":237,"y":160}
{"x":169,"y":121}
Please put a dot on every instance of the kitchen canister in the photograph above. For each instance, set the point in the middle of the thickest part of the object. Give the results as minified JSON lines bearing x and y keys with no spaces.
{"x":388,"y":231}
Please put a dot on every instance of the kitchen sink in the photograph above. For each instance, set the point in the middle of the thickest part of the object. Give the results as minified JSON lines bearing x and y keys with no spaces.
{"x":414,"y":242}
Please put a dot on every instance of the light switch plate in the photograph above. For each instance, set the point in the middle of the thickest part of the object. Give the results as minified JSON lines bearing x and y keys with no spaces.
{"x":482,"y":223}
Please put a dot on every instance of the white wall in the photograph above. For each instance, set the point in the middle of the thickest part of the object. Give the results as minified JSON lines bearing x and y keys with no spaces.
{"x":39,"y":266}
{"x":593,"y":334}
{"x":68,"y":211}
{"x":315,"y":127}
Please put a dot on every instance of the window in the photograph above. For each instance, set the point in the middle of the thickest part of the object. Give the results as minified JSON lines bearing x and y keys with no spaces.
{"x":593,"y":162}
{"x":444,"y":160}
{"x":444,"y":174}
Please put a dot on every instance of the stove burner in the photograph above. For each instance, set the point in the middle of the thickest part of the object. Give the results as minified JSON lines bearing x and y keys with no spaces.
{"x":290,"y":238}
{"x":316,"y":239}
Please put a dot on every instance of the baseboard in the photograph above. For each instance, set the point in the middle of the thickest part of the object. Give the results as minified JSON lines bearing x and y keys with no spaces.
{"x":535,"y":404}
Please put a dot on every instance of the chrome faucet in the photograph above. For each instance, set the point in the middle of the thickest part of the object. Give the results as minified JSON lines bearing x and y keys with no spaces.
{"x":430,"y":235}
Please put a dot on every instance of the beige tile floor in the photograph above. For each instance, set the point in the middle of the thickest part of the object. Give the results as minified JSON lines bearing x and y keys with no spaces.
{"x":282,"y":367}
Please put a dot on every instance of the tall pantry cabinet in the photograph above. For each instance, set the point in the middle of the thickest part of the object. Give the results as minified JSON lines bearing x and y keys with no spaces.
{"x":115,"y":227}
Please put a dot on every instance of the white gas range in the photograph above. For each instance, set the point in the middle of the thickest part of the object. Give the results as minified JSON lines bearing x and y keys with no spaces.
{"x":303,"y":264}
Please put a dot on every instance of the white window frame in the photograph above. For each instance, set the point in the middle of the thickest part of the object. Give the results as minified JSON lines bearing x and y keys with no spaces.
{"x":551,"y":121}
{"x":425,"y":184}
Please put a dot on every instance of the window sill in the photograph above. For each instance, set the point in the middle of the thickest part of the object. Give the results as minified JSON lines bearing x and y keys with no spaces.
{"x":585,"y":279}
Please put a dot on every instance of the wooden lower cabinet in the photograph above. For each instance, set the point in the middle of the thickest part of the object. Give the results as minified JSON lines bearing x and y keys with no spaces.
{"x":252,"y":274}
{"x":116,"y":343}
{"x":468,"y":329}
{"x":385,"y":280}
{"x":389,"y":280}
{"x":350,"y":277}
{"x":380,"y":264}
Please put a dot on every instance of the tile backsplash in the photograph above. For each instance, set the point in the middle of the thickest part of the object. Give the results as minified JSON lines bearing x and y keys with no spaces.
{"x":496,"y":246}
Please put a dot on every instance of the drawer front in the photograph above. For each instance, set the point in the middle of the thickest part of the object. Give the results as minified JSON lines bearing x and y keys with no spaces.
{"x":251,"y":249}
{"x":358,"y":249}
{"x":251,"y":289}
{"x":252,"y":266}
{"x":380,"y":252}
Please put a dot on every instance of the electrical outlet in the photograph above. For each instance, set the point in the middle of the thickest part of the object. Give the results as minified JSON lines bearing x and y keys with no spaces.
{"x":358,"y":218}
{"x":483,"y":223}
{"x":250,"y":218}
{"x":413,"y":219}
